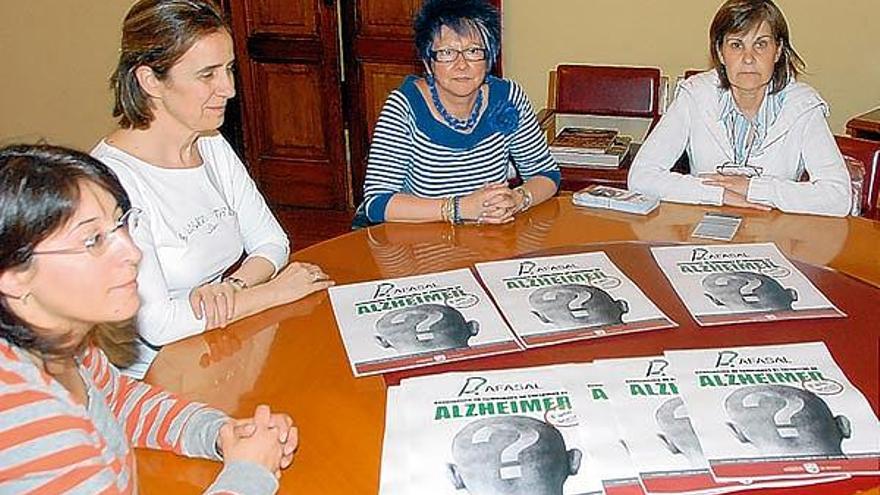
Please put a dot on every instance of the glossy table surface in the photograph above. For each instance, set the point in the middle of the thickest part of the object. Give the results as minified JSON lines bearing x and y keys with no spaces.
{"x":292,"y":357}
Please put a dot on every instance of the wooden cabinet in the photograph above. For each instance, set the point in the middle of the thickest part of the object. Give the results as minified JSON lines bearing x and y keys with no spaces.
{"x":288,"y":55}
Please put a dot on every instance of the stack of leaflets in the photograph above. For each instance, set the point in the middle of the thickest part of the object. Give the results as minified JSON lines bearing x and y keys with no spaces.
{"x":771,"y":412}
{"x":495,"y":432}
{"x":409,"y":322}
{"x":605,"y":443}
{"x":612,"y":198}
{"x":602,"y":148}
{"x":556,"y":299}
{"x":417,"y":321}
{"x":694,"y":421}
{"x":733,"y":283}
{"x":655,"y":427}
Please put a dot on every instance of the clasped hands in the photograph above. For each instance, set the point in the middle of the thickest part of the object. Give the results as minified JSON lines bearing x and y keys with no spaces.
{"x":736,"y":190}
{"x":216,"y":301}
{"x":267,"y":439}
{"x":492,"y":203}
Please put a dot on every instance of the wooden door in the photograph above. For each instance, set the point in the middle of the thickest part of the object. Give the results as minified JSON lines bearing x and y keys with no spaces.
{"x":288,"y":56}
{"x":379,"y":53}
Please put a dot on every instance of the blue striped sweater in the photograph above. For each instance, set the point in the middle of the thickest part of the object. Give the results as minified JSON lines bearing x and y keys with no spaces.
{"x":414,"y":153}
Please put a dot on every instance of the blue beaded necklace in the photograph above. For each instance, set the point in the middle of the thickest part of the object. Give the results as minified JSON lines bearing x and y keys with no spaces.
{"x":457,"y":124}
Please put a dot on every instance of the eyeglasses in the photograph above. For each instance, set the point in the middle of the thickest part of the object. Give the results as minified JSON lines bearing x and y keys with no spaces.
{"x":446,"y":55}
{"x":745,"y":168}
{"x":97,"y":244}
{"x":748,"y":170}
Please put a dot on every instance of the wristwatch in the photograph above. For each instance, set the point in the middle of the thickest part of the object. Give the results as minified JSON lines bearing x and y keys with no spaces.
{"x":237,"y":283}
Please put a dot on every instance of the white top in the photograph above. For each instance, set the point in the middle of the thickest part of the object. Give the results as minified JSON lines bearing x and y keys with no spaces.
{"x":798,"y":140}
{"x":197,"y":222}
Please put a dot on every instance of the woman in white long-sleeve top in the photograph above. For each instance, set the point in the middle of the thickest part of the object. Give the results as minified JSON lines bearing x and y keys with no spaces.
{"x":201,"y":208}
{"x":749,"y":128}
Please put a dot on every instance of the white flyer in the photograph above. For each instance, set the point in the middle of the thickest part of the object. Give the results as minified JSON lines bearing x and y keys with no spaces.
{"x":733,"y":283}
{"x":777,"y":411}
{"x":418,"y":321}
{"x":656,"y":428}
{"x":556,"y":299}
{"x":509,"y":432}
{"x":600,"y":431}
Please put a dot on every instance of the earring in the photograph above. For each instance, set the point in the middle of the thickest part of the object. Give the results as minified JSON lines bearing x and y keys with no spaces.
{"x":24,"y":299}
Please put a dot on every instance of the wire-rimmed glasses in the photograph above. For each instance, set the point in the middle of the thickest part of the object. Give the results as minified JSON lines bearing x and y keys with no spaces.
{"x":97,"y":244}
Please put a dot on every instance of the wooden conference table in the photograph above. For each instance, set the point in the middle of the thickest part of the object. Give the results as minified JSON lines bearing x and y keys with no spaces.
{"x":293,"y":359}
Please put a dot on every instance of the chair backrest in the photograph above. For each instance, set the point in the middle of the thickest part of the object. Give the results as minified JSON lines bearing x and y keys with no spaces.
{"x":608,"y":91}
{"x":691,"y":72}
{"x":868,"y":153}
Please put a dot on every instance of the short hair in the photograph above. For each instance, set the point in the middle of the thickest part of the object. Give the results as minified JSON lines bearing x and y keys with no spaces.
{"x":463,"y":17}
{"x":737,"y":16}
{"x":156,"y":33}
{"x":39,"y":192}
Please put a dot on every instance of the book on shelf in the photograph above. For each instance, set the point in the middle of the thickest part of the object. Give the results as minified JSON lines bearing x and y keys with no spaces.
{"x":585,"y":147}
{"x":613,"y":198}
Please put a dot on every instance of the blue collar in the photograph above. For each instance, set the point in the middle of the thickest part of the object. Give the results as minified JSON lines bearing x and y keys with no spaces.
{"x":440,"y":133}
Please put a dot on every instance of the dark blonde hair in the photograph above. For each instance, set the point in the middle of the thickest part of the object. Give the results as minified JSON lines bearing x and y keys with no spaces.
{"x":739,"y":16}
{"x":155,"y":34}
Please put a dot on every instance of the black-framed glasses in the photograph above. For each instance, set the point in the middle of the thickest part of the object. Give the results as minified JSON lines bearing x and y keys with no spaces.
{"x":97,"y":244}
{"x":446,"y":55}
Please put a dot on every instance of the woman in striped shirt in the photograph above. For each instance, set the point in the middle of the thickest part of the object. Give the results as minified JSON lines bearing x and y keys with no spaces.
{"x":68,"y":418}
{"x":445,"y":145}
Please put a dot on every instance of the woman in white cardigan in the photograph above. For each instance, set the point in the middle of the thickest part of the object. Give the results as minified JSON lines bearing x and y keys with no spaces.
{"x":202,"y":210}
{"x":750,"y":130}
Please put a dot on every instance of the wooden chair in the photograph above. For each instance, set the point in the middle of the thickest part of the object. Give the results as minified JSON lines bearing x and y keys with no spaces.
{"x":604,"y":91}
{"x":867,"y":153}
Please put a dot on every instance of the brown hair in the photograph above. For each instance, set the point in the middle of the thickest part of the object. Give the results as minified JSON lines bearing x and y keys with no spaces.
{"x":39,"y":192}
{"x":738,"y":16}
{"x":156,"y":33}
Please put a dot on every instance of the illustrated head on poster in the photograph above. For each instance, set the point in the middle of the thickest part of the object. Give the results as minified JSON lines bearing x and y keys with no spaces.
{"x":426,"y":327}
{"x":780,"y":419}
{"x":677,"y":432}
{"x":576,"y":304}
{"x":748,"y":291}
{"x":511,"y":455}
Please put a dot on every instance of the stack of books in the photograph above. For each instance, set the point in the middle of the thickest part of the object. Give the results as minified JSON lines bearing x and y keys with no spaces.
{"x":584,"y":147}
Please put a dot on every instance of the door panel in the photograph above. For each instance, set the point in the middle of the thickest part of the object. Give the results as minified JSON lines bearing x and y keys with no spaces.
{"x":379,"y":81}
{"x":292,"y":100}
{"x":291,"y":90}
{"x":284,"y":17}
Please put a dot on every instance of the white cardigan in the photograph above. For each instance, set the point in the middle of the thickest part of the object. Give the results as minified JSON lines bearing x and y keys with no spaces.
{"x":798,"y":140}
{"x":198,"y":222}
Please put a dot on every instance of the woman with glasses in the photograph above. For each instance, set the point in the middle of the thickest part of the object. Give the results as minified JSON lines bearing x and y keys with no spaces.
{"x":201,"y":208}
{"x":751,"y":131}
{"x":446,"y":144}
{"x":68,"y":278}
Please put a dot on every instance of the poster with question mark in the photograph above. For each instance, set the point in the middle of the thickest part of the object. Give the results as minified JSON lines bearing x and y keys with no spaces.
{"x":737,"y":283}
{"x":776,"y":412}
{"x":409,"y":322}
{"x":486,"y":433}
{"x":553,"y":299}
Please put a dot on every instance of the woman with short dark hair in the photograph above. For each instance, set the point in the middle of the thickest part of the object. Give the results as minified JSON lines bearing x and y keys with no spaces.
{"x":202,"y":209}
{"x":446,"y":144}
{"x":69,"y":419}
{"x":750,"y":129}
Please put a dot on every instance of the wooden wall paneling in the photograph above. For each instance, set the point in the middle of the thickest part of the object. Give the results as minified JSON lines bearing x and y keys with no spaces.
{"x":292,"y":99}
